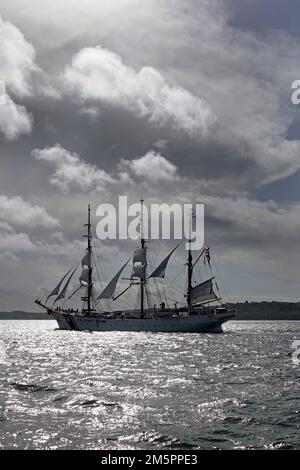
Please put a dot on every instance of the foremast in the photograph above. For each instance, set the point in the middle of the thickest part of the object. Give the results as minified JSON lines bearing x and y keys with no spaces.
{"x":143,"y":243}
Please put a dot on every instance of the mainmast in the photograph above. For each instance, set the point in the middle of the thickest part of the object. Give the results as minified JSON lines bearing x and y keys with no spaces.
{"x":89,"y":248}
{"x":143,"y":247}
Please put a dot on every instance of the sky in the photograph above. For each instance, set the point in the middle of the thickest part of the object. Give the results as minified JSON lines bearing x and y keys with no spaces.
{"x":181,"y":102}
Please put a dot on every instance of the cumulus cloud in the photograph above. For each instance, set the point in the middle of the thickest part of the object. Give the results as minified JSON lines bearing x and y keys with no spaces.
{"x":17,"y":211}
{"x":14,"y":119}
{"x":99,"y":74}
{"x":74,"y":173}
{"x":234,"y":96}
{"x":17,"y":64}
{"x":20,"y":79}
{"x":244,"y":114}
{"x":68,"y":249}
{"x":151,"y":167}
{"x":17,"y":60}
{"x":71,"y":171}
{"x":12,"y":242}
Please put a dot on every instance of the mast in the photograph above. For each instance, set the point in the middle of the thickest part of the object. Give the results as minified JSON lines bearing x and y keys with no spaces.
{"x":190,"y":275}
{"x":142,"y":246}
{"x":89,"y":287}
{"x":190,"y":269}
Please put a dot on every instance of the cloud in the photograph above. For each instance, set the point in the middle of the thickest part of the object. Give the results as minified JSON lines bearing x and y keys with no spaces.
{"x":17,"y":211}
{"x":87,"y":17}
{"x":151,"y":167}
{"x":17,"y":64}
{"x":71,"y":250}
{"x":70,"y":170}
{"x":99,"y":74}
{"x":12,"y":242}
{"x":74,"y":173}
{"x":17,"y":60}
{"x":14,"y":119}
{"x":20,"y":79}
{"x":244,"y":113}
{"x":228,"y":212}
{"x":136,"y":97}
{"x":264,"y":224}
{"x":158,"y":71}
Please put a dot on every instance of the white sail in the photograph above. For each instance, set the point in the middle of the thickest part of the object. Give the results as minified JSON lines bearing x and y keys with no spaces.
{"x":64,"y":290}
{"x":160,"y":271}
{"x":139,"y":256}
{"x":203,"y":292}
{"x":139,"y":271}
{"x":84,"y":276}
{"x":56,"y":289}
{"x":109,"y":291}
{"x":86,"y":260}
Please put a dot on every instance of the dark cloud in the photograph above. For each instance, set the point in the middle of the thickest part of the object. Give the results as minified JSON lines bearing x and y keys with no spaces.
{"x":263,"y":15}
{"x":199,"y":52}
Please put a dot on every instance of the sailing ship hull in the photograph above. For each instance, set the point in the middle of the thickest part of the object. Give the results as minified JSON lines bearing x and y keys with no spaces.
{"x":184,"y":324}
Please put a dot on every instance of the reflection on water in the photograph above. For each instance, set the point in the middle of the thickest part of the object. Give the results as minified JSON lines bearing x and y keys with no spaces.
{"x":148,"y":391}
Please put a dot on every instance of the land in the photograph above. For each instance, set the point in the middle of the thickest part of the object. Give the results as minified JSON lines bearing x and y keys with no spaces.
{"x":245,"y":311}
{"x":18,"y":315}
{"x":267,"y":310}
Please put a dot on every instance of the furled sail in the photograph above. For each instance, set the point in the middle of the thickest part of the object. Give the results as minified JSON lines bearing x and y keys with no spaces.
{"x":109,"y":291}
{"x":64,"y":290}
{"x":56,"y":289}
{"x":203,"y":292}
{"x":84,"y":276}
{"x":139,"y":271}
{"x":139,"y":264}
{"x":86,"y":260}
{"x":160,"y":271}
{"x":139,"y":256}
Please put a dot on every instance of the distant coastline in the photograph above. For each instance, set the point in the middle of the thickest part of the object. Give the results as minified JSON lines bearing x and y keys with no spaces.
{"x":18,"y":315}
{"x":267,"y":310}
{"x":245,"y":311}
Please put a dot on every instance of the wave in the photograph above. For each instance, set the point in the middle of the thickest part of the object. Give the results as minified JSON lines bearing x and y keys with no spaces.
{"x":32,"y":388}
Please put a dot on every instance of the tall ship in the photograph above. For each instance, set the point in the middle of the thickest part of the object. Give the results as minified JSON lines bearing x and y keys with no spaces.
{"x":202,"y":310}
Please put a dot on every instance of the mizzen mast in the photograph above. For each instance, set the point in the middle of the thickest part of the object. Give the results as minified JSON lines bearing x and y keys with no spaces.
{"x":190,"y":268}
{"x":190,"y":276}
